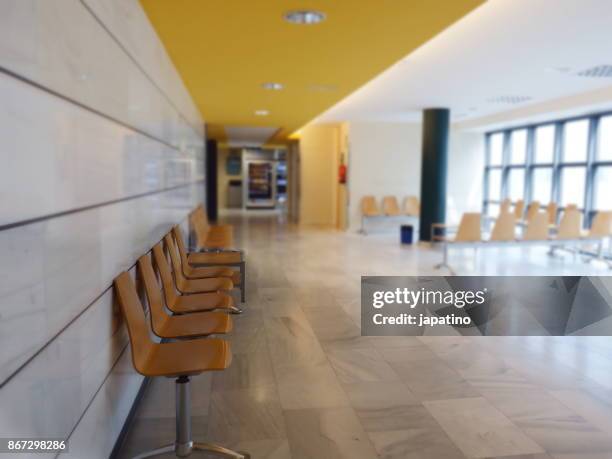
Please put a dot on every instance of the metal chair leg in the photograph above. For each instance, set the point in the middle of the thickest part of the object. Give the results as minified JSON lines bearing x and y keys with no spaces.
{"x":220,"y":450}
{"x":184,"y":444}
{"x":242,"y":282}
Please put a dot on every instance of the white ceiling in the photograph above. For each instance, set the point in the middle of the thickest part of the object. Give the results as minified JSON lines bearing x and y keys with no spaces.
{"x":503,"y":49}
{"x":246,"y":136}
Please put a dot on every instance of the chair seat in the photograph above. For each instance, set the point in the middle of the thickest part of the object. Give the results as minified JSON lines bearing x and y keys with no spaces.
{"x":186,"y":358}
{"x":196,"y":273}
{"x":202,"y":302}
{"x":213,"y":284}
{"x":196,"y":324}
{"x":214,"y":258}
{"x":220,"y":242}
{"x":210,"y":271}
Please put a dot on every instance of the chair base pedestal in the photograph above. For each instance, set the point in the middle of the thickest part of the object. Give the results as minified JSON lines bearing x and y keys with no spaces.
{"x":184,"y":444}
{"x":185,"y":451}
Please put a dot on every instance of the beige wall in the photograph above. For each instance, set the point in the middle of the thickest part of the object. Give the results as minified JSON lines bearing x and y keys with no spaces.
{"x":342,"y":193}
{"x":385,"y":159}
{"x":318,"y":175}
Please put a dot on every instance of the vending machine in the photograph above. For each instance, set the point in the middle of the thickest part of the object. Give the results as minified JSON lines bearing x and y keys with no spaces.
{"x":260,"y":179}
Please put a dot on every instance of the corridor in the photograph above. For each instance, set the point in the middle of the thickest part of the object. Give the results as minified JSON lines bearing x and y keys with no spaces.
{"x":305,"y":384}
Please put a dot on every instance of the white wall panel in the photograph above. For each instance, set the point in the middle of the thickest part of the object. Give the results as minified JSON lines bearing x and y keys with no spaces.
{"x":60,"y":45}
{"x":129,"y":23}
{"x":76,"y":158}
{"x":75,"y":258}
{"x":102,"y":153}
{"x":48,"y":397}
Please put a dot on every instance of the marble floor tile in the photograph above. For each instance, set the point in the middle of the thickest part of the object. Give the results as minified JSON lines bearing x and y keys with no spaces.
{"x":400,"y":354}
{"x":479,"y":429}
{"x":432,"y":379}
{"x":331,"y":433}
{"x":596,"y":411}
{"x":360,"y":365}
{"x":304,"y":383}
{"x":247,"y":371}
{"x":309,"y":387}
{"x":292,"y":342}
{"x":245,"y":415}
{"x":146,"y":434}
{"x":162,"y":391}
{"x":386,"y":342}
{"x":316,"y":297}
{"x":415,"y":444}
{"x":335,"y":329}
{"x":275,"y":448}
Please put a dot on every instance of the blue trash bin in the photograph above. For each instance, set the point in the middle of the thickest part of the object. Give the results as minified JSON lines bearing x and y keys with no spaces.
{"x":406,"y":232}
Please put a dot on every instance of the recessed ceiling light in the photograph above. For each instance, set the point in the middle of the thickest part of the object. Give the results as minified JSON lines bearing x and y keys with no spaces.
{"x":304,"y":17}
{"x":272,"y":86}
{"x":262,"y":112}
{"x":509,"y":99}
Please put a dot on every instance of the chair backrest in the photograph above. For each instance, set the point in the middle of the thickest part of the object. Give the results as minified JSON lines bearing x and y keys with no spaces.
{"x":369,"y":208}
{"x":601,"y":225}
{"x":504,"y":227}
{"x":519,"y":208}
{"x":551,"y":210}
{"x":133,"y":312}
{"x":532,"y":210}
{"x":412,"y":206}
{"x":569,"y":226}
{"x":199,"y":226}
{"x":165,"y":273}
{"x":571,"y":207}
{"x":390,"y":206}
{"x":504,"y":208}
{"x":159,"y":317}
{"x":469,"y":228}
{"x":537,"y":228}
{"x":180,"y":243}
{"x":175,"y":261}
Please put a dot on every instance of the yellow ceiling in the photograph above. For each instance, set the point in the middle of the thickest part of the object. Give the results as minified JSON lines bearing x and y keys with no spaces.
{"x":225,"y":50}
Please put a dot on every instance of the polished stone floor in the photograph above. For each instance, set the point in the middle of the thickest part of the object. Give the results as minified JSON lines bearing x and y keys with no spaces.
{"x":305,"y":385}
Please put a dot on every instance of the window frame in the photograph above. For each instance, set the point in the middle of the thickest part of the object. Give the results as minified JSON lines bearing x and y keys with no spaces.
{"x":591,"y":165}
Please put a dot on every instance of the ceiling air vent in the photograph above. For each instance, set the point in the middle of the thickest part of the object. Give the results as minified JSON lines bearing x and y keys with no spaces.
{"x":599,"y":71}
{"x":509,"y":99}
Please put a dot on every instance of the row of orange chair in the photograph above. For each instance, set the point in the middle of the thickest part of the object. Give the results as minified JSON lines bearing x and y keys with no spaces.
{"x":213,"y":246}
{"x":390,"y":208}
{"x":192,"y":304}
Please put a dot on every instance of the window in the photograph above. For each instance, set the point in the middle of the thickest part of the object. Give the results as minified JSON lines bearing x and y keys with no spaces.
{"x":495,"y":183}
{"x":496,"y":149}
{"x":541,"y":184}
{"x":493,"y":210}
{"x":519,"y":146}
{"x":576,"y":141}
{"x":545,"y":144}
{"x":516,"y":184}
{"x":523,"y":163}
{"x":605,"y":139}
{"x":573,"y":180}
{"x":603,"y":188}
